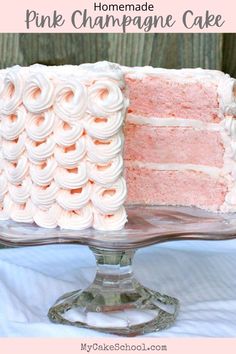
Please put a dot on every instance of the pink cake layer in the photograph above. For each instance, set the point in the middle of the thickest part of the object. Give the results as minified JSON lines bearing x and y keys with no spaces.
{"x":161,"y":97}
{"x":173,"y":145}
{"x":187,"y":188}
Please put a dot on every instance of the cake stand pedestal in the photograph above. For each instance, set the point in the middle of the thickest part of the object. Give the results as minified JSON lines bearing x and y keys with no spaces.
{"x":116,"y":302}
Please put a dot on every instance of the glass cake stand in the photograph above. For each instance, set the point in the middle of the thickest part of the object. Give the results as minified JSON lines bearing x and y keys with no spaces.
{"x":116,"y":302}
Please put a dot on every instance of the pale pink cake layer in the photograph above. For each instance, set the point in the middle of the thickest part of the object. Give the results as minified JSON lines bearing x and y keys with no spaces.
{"x":163,"y":97}
{"x":173,"y":145}
{"x":186,"y":188}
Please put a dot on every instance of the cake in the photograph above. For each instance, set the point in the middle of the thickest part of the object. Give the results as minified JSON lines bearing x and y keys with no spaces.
{"x":180,"y":138}
{"x":62,"y":146}
{"x":74,"y":139}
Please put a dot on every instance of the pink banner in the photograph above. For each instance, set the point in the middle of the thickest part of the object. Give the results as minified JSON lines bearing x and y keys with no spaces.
{"x":117,"y":16}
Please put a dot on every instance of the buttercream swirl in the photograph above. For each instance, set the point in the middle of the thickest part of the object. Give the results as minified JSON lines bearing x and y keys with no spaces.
{"x":42,"y":174}
{"x":106,"y":173}
{"x":38,"y":94}
{"x":5,"y":208}
{"x":40,"y":151}
{"x":69,"y":157}
{"x":74,"y":199}
{"x":67,"y":135}
{"x":44,"y":197}
{"x":105,"y":97}
{"x":109,"y":199}
{"x":16,"y":172}
{"x":3,"y":186}
{"x":230,"y":126}
{"x":21,"y":192}
{"x":227,"y":93}
{"x":14,"y":124}
{"x":104,"y":150}
{"x":48,"y":219}
{"x":72,"y":178}
{"x":11,"y":96}
{"x":13,"y":149}
{"x":110,"y":222}
{"x":22,"y":212}
{"x":76,"y":220}
{"x":40,"y":126}
{"x":71,"y":100}
{"x":104,"y":127}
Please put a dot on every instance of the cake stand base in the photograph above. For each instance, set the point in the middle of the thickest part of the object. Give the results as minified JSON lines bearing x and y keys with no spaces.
{"x":115,"y":302}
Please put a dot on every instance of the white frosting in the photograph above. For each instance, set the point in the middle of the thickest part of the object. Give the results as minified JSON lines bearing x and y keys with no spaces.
{"x":111,"y":222}
{"x":227,"y":94}
{"x":42,"y":174}
{"x":104,"y":98}
{"x":70,"y":157}
{"x":71,"y":100}
{"x":73,"y":178}
{"x":40,"y":151}
{"x":3,"y":186}
{"x":44,"y":197}
{"x":40,"y":126}
{"x":20,"y":193}
{"x":22,"y":212}
{"x":74,"y":199}
{"x":61,"y":143}
{"x":11,"y":95}
{"x":106,"y":173}
{"x":78,"y":219}
{"x":13,"y":149}
{"x":104,"y":127}
{"x":109,"y":199}
{"x":48,"y":218}
{"x":66,"y":135}
{"x":16,"y":172}
{"x":38,"y":93}
{"x":14,"y":124}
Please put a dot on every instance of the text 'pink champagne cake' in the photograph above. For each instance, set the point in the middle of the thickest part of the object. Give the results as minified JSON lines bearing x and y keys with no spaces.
{"x":62,"y":142}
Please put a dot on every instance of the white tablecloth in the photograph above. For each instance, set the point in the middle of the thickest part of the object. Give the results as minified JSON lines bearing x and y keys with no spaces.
{"x":201,"y":274}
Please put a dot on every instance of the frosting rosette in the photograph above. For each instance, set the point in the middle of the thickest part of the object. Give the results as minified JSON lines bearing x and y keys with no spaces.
{"x":43,"y":173}
{"x":44,"y":197}
{"x":13,"y":149}
{"x":79,"y":219}
{"x":38,"y":94}
{"x":106,"y":173}
{"x":22,"y":212}
{"x":74,"y":199}
{"x":70,"y":156}
{"x":104,"y":127}
{"x":3,"y":186}
{"x":72,"y":178}
{"x":109,"y":199}
{"x":104,"y":150}
{"x":105,"y":97}
{"x":11,"y":95}
{"x":110,"y":222}
{"x":47,"y":219}
{"x":20,"y":193}
{"x":66,"y":134}
{"x":5,"y":208}
{"x":40,"y":126}
{"x":40,"y":151}
{"x":16,"y":171}
{"x":71,"y":100}
{"x":13,"y":125}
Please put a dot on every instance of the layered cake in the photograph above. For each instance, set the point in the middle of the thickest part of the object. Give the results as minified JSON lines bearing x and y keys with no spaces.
{"x":180,"y":138}
{"x":73,"y":137}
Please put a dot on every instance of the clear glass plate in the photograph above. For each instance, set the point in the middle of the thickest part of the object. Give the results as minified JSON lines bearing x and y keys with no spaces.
{"x":116,"y":302}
